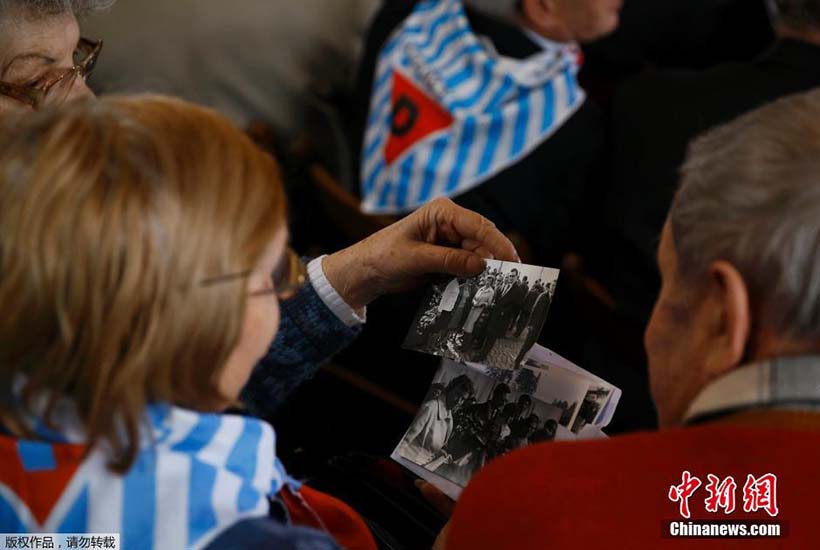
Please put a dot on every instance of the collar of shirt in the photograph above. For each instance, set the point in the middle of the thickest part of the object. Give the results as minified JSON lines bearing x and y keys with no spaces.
{"x":545,"y":43}
{"x":782,"y":383}
{"x":563,"y":50}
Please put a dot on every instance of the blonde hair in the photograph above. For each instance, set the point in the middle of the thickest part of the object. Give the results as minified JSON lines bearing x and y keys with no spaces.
{"x":112,"y":213}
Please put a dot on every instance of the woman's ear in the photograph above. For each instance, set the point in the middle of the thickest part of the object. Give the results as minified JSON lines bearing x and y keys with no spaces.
{"x":729,"y":322}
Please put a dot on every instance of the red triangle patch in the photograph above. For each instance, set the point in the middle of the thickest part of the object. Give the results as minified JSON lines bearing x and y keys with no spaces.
{"x":40,"y":490}
{"x":415,"y":115}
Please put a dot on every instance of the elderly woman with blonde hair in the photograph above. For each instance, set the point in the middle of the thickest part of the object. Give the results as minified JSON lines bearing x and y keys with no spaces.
{"x":143,"y":244}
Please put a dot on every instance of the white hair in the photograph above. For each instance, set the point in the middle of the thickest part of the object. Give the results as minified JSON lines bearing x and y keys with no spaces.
{"x":45,"y":8}
{"x":750,"y":195}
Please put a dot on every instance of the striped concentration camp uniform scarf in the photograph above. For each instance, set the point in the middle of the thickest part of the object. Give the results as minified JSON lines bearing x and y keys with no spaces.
{"x":195,"y":476}
{"x":447,"y":112}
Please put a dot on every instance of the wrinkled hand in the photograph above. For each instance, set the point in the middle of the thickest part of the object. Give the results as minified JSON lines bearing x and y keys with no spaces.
{"x":441,"y":541}
{"x":440,"y":238}
{"x":440,"y":502}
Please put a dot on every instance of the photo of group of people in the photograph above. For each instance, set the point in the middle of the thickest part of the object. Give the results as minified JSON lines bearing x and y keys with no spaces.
{"x":470,"y":418}
{"x":492,"y":319}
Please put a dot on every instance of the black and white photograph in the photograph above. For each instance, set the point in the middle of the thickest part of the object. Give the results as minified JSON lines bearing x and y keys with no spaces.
{"x":492,"y":319}
{"x":470,"y":418}
{"x":602,"y":398}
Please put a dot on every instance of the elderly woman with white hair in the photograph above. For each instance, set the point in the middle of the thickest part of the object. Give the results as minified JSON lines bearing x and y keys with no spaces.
{"x":43,"y":59}
{"x":734,"y":360}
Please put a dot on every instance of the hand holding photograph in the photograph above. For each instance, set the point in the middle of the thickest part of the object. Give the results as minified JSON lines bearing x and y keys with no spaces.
{"x":492,"y":319}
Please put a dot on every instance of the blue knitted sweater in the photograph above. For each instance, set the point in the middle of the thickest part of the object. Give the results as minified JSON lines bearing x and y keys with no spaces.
{"x":309,"y":334}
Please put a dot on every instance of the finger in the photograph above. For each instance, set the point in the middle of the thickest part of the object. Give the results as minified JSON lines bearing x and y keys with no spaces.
{"x":449,"y":261}
{"x":484,"y":253}
{"x":470,"y":245}
{"x":434,"y":496}
{"x":468,"y":225}
{"x":441,"y":541}
{"x":477,"y":248}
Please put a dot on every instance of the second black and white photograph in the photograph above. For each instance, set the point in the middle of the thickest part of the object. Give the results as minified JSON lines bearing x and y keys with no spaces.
{"x":470,"y":418}
{"x":492,"y":319}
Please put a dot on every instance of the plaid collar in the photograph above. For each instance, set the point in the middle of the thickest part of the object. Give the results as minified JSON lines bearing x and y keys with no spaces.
{"x":791,"y":383}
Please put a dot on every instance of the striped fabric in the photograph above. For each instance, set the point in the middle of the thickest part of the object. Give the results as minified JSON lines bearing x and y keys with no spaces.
{"x":201,"y":475}
{"x":790,"y":383}
{"x":447,"y":113}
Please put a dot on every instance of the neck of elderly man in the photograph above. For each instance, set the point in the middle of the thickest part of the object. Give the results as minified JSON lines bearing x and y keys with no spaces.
{"x":557,"y":20}
{"x":808,"y":35}
{"x":802,"y":25}
{"x":733,"y":366}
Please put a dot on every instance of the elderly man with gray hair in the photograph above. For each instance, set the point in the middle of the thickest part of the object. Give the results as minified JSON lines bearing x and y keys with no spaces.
{"x":734,"y":358}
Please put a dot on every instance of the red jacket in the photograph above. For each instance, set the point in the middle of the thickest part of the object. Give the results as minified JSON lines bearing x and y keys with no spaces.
{"x":616,"y":493}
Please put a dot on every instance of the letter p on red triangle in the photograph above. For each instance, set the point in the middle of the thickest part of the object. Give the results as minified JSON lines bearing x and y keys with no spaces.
{"x":414,"y":116}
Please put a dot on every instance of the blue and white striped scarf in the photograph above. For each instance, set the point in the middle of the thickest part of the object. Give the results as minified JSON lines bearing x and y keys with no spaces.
{"x":201,"y":474}
{"x":447,"y":113}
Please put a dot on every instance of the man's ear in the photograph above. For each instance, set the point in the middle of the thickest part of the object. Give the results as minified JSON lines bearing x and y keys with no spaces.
{"x":540,"y":16}
{"x":730,"y":322}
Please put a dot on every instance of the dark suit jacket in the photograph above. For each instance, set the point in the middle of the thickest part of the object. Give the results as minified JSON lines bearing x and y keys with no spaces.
{"x":512,"y":299}
{"x":521,"y":291}
{"x":541,"y":305}
{"x":529,"y":300}
{"x":540,"y":308}
{"x":540,"y":196}
{"x":655,"y":117}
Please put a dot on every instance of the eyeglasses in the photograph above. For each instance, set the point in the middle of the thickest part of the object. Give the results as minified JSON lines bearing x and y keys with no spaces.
{"x":54,"y":87}
{"x":288,"y":277}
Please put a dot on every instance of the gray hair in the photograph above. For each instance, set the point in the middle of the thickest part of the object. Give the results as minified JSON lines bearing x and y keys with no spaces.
{"x":46,"y":8}
{"x":796,"y":14}
{"x":750,"y":195}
